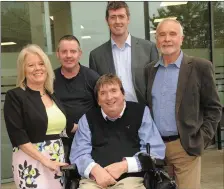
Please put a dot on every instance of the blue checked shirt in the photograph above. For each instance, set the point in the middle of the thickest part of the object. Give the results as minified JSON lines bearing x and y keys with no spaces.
{"x":164,"y":96}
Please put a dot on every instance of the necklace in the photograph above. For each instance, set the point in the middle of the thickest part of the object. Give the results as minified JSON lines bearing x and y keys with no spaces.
{"x":42,"y":94}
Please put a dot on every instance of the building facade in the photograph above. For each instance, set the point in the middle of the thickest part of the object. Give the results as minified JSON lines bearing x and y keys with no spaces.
{"x":43,"y":23}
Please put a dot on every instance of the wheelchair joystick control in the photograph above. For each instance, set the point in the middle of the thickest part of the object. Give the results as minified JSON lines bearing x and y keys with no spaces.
{"x":148,"y":148}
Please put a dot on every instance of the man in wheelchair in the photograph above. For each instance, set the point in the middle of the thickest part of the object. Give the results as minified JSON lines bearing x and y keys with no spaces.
{"x":107,"y":145}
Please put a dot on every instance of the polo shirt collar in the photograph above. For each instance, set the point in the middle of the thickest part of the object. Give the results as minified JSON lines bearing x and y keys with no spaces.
{"x":106,"y":117}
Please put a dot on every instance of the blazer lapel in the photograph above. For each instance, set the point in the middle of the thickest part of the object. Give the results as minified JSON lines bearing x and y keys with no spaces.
{"x":185,"y":70}
{"x":151,"y":77}
{"x":109,"y":58}
{"x":134,"y":55}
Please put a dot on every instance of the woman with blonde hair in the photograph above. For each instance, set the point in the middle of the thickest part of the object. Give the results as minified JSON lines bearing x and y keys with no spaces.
{"x":34,"y":119}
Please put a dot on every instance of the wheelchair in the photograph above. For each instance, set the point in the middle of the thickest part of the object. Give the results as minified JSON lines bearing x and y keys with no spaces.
{"x":155,"y":177}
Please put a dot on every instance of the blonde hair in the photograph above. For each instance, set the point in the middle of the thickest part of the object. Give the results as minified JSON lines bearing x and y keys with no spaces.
{"x":21,"y":78}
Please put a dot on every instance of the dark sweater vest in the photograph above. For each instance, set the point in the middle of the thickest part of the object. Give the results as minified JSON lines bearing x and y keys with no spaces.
{"x":111,"y":141}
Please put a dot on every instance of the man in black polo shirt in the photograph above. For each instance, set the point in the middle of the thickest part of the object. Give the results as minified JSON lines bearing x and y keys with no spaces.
{"x":109,"y":138}
{"x":74,"y":83}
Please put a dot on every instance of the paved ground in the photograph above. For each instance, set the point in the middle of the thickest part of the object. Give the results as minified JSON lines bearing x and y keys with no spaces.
{"x":212,"y":170}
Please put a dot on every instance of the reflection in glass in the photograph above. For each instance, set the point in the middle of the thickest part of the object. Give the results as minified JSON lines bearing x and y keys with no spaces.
{"x":194,"y":18}
{"x":15,"y":24}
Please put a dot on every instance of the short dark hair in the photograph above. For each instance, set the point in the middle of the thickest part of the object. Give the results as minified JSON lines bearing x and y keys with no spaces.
{"x":107,"y":79}
{"x":68,"y":38}
{"x":114,"y":5}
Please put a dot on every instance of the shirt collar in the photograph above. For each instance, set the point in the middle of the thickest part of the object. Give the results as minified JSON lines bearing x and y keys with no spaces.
{"x":177,"y":62}
{"x":105,"y":116}
{"x":128,"y":41}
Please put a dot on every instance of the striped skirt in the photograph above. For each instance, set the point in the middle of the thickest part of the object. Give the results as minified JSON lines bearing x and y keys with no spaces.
{"x":30,"y":173}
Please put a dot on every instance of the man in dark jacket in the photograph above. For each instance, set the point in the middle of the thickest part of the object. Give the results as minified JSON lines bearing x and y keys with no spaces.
{"x":182,"y":95}
{"x":124,"y":54}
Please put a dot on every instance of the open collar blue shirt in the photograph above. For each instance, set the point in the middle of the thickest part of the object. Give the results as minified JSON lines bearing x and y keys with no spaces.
{"x":122,"y":64}
{"x":164,"y":96}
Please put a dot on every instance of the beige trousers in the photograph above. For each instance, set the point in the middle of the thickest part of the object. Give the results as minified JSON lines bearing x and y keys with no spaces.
{"x":187,"y":169}
{"x":126,"y":183}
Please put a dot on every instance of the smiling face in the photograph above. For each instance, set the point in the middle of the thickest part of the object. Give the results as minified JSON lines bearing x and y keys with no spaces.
{"x":35,"y":70}
{"x":111,"y":99}
{"x":169,"y":38}
{"x":118,"y":22}
{"x":69,"y":54}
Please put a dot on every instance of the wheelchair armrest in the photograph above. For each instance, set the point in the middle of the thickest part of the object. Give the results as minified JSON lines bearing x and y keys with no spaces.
{"x":148,"y":163}
{"x":72,"y":176}
{"x":71,"y":167}
{"x":71,"y":171}
{"x":160,"y":163}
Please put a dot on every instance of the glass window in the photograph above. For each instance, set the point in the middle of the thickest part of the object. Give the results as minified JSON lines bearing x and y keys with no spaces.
{"x":137,"y":26}
{"x":60,"y":18}
{"x":15,"y":26}
{"x":91,"y":29}
{"x":218,"y":52}
{"x":23,"y":23}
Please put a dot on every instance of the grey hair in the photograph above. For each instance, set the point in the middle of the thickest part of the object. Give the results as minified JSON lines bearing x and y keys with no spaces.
{"x":172,"y":20}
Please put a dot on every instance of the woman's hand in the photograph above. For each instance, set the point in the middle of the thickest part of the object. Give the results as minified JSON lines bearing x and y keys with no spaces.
{"x":30,"y":150}
{"x":54,"y":165}
{"x":75,"y":127}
